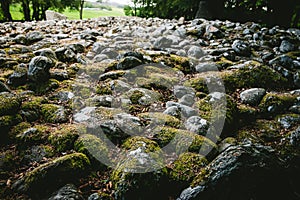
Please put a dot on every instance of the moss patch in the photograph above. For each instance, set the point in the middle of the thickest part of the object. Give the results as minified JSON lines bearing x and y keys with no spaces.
{"x":160,"y":119}
{"x":187,"y":166}
{"x":63,"y":139}
{"x":9,"y":104}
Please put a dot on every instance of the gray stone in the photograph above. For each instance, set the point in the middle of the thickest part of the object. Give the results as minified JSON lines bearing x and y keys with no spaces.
{"x":188,"y":100}
{"x":84,"y":115}
{"x":185,"y":111}
{"x":162,"y":43}
{"x":39,"y":67}
{"x":52,"y":15}
{"x":105,"y":100}
{"x":180,"y":91}
{"x":129,"y":63}
{"x":34,"y":36}
{"x":173,"y":111}
{"x":206,"y":67}
{"x":241,"y":48}
{"x":295,"y":137}
{"x":286,"y":46}
{"x":197,"y":125}
{"x":195,"y":52}
{"x":47,"y":53}
{"x":252,"y":96}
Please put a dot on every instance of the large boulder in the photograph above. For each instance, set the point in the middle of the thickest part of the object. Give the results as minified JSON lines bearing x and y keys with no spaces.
{"x":51,"y":15}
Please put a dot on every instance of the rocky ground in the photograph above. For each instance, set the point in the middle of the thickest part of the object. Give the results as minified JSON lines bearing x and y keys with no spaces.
{"x":200,"y":109}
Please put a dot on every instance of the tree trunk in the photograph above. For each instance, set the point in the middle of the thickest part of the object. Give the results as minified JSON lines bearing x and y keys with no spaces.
{"x":210,"y":9}
{"x":5,"y":8}
{"x":26,"y":10}
{"x":81,"y":9}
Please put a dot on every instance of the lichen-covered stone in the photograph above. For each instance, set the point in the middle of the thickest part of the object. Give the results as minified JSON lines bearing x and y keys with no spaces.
{"x":9,"y":104}
{"x":64,"y":138}
{"x":53,"y":113}
{"x":53,"y":173}
{"x":187,"y":166}
{"x":160,"y":119}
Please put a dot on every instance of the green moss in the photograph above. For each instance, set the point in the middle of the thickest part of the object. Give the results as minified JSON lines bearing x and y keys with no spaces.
{"x":274,"y":103}
{"x":9,"y":160}
{"x":64,"y":138}
{"x":262,"y":130}
{"x":218,"y":112}
{"x":93,"y":147}
{"x":104,"y":88}
{"x":250,"y":76}
{"x":31,"y":108}
{"x":293,"y":54}
{"x":18,"y":129}
{"x":136,"y":142}
{"x":49,"y":113}
{"x":175,"y":61}
{"x":135,"y":96}
{"x":201,"y":178}
{"x":224,"y":63}
{"x":187,"y":166}
{"x":6,"y":123}
{"x":44,"y":88}
{"x":160,"y":119}
{"x":39,"y":133}
{"x":61,"y":169}
{"x":182,"y":139}
{"x":9,"y":104}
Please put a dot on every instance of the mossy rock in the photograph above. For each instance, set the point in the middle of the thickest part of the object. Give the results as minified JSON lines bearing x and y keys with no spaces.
{"x":141,"y":157}
{"x":35,"y":134}
{"x":215,"y":112}
{"x":160,"y":119}
{"x":288,"y":121}
{"x":261,"y":131}
{"x":53,"y":174}
{"x":246,"y":113}
{"x":250,"y":76}
{"x":177,"y":62}
{"x":104,"y":88}
{"x":93,"y":147}
{"x":186,"y":167}
{"x":64,"y":138}
{"x":44,"y":88}
{"x":9,"y":104}
{"x":18,"y":129}
{"x":31,"y":108}
{"x":52,"y":113}
{"x":6,"y":123}
{"x":274,"y":103}
{"x":224,"y":63}
{"x":135,"y":142}
{"x":181,"y":140}
{"x":9,"y":160}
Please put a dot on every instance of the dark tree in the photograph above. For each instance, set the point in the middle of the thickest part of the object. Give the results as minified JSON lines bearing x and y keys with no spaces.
{"x":5,"y":9}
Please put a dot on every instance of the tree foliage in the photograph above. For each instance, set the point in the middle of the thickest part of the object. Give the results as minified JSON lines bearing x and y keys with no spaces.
{"x":285,"y":13}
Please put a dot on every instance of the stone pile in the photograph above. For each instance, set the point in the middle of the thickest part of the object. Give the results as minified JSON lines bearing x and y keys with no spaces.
{"x":195,"y":107}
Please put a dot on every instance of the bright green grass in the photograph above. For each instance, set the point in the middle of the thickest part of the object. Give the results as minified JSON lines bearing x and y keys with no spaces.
{"x":16,"y":12}
{"x":92,"y":13}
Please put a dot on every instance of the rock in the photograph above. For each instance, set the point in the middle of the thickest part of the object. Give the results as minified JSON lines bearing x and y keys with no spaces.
{"x":52,"y":113}
{"x":197,"y":125}
{"x":173,"y":111}
{"x":9,"y":104}
{"x":286,"y":46}
{"x":185,"y":111}
{"x":129,"y":63}
{"x":180,"y":91}
{"x":195,"y":52}
{"x":34,"y":36}
{"x":47,"y":53}
{"x":252,"y":96}
{"x":67,"y":192}
{"x":19,"y":77}
{"x":287,"y":121}
{"x":53,"y":173}
{"x":84,"y":114}
{"x":251,"y":164}
{"x":105,"y":101}
{"x":4,"y":87}
{"x":295,"y":137}
{"x":241,"y":48}
{"x":162,"y":43}
{"x":39,"y":69}
{"x":206,"y":67}
{"x":51,"y":15}
{"x":187,"y":100}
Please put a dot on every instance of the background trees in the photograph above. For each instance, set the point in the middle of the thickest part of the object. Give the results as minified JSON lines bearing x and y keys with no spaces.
{"x":271,"y":12}
{"x":36,"y":9}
